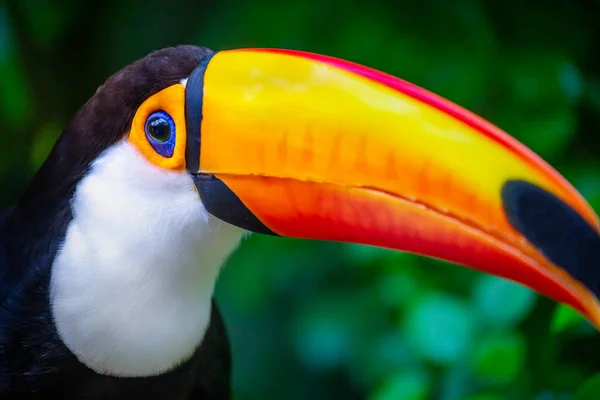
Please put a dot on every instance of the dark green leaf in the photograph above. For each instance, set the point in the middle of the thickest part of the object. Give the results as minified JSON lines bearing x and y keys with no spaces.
{"x":440,"y":328}
{"x":590,"y":390}
{"x":407,"y":385}
{"x":502,"y":303}
{"x":499,"y":359}
{"x":564,"y":318}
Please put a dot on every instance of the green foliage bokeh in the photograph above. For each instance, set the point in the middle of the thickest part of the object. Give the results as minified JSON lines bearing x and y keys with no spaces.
{"x":333,"y":321}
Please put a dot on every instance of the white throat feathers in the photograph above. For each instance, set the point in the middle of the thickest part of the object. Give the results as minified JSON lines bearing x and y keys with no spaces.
{"x":132,"y":283}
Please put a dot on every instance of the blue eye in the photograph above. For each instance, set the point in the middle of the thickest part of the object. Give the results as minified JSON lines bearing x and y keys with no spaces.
{"x":160,"y":131}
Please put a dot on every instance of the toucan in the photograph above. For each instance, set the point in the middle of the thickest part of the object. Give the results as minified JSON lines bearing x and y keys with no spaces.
{"x":109,"y":259}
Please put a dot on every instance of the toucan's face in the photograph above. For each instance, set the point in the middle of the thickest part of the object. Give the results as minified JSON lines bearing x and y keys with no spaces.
{"x":306,"y":146}
{"x":301,"y":145}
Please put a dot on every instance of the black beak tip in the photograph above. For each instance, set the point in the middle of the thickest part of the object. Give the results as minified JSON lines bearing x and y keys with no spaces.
{"x":555,"y":229}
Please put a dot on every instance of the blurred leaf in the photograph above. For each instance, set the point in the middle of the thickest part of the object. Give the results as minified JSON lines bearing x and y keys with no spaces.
{"x":352,"y":42}
{"x":590,"y":390}
{"x":406,"y":385}
{"x":14,"y":96}
{"x":502,"y":303}
{"x":583,"y":174}
{"x":567,"y":376}
{"x":456,"y":382}
{"x":380,"y":355}
{"x":565,"y":318}
{"x":547,"y":132}
{"x":249,"y":291}
{"x":571,"y":81}
{"x":543,"y":87}
{"x":459,"y":77}
{"x":543,"y":77}
{"x":323,"y":339}
{"x":499,"y":359}
{"x":593,"y":92}
{"x":440,"y":328}
{"x":363,"y":254}
{"x":47,"y":20}
{"x":486,"y":396}
{"x":396,"y":289}
{"x":548,"y":395}
{"x":43,"y":142}
{"x":331,"y":330}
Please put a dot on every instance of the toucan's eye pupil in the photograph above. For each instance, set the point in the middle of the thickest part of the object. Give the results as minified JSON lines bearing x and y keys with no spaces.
{"x":159,"y":129}
{"x":161,"y":132}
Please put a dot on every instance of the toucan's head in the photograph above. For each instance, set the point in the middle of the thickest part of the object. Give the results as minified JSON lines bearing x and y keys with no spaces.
{"x":209,"y":145}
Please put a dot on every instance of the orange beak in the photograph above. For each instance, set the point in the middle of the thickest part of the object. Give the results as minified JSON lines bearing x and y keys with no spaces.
{"x":307,"y":146}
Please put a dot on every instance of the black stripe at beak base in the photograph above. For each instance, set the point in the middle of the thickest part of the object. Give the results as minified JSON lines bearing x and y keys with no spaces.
{"x":194,"y":94}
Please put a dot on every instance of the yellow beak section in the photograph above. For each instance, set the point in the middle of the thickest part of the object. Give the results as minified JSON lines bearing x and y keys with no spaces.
{"x":320,"y":148}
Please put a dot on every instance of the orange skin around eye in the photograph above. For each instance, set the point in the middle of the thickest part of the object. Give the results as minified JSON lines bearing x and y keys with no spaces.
{"x":172,"y":101}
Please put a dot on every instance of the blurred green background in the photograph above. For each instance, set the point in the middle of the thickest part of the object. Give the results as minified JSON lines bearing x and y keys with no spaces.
{"x":330,"y":321}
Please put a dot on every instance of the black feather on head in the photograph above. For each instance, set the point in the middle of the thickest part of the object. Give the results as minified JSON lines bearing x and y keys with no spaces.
{"x":104,"y":119}
{"x":34,"y":227}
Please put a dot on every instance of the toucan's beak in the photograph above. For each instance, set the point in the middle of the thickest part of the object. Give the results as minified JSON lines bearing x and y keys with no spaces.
{"x":302,"y":145}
